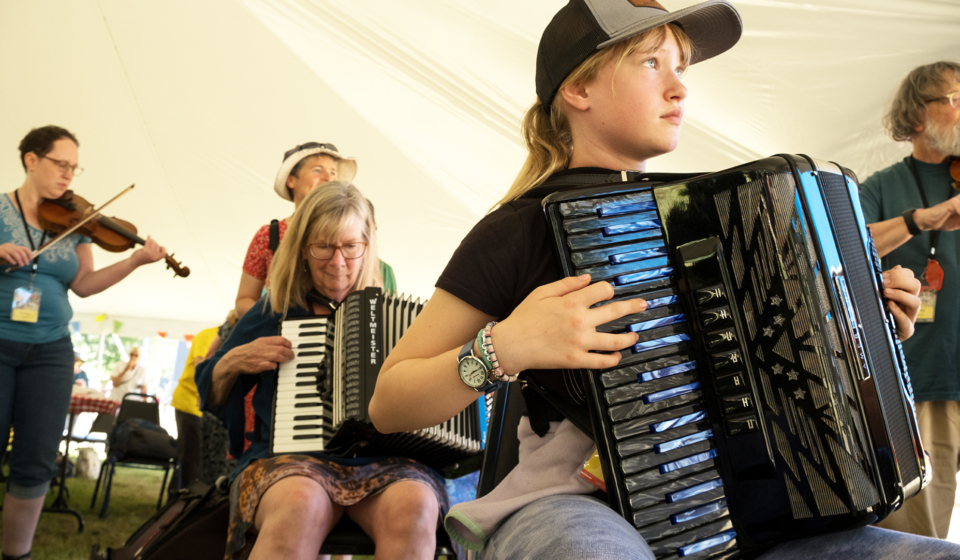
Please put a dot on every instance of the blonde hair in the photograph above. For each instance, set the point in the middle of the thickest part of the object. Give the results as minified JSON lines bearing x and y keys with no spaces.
{"x":909,"y":104}
{"x":327,"y":210}
{"x":547,"y":137}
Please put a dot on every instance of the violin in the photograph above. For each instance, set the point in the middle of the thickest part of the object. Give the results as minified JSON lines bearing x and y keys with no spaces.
{"x":112,"y":234}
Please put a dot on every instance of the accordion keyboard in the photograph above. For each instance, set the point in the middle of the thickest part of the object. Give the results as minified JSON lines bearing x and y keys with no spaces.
{"x":660,"y":432}
{"x":302,"y":420}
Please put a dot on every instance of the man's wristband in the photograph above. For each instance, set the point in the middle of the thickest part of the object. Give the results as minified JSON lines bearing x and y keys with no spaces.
{"x":912,"y":226}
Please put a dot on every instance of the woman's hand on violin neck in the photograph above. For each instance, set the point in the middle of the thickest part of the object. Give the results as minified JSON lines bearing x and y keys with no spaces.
{"x":555,"y":327}
{"x":151,"y":252}
{"x":15,"y":254}
{"x":262,"y":354}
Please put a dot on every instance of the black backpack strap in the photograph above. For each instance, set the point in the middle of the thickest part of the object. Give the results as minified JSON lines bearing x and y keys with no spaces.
{"x":274,"y":235}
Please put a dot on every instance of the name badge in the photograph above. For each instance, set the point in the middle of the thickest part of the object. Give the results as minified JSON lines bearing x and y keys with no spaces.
{"x":928,"y":306}
{"x":26,"y":304}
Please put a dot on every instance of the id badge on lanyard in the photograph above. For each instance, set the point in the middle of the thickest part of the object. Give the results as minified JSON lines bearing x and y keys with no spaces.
{"x":26,"y":303}
{"x":932,"y":279}
{"x":931,"y":284}
{"x":26,"y":299}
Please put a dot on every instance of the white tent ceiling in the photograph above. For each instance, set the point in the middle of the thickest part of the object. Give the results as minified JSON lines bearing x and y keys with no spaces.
{"x":195,"y":102}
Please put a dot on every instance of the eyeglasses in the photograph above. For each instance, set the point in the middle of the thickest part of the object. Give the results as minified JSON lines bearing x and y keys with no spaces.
{"x":65,"y":166}
{"x":952,"y":98}
{"x":324,"y":252}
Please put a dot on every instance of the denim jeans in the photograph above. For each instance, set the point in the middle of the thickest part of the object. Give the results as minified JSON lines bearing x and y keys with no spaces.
{"x":35,"y":383}
{"x":568,"y":527}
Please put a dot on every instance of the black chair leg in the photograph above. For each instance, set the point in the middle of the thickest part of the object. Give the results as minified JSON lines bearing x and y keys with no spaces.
{"x":163,"y":485}
{"x":106,"y":491}
{"x":96,"y":489}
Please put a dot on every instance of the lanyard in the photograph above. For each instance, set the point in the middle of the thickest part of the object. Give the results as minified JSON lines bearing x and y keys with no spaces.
{"x":26,"y":228}
{"x":934,"y":235}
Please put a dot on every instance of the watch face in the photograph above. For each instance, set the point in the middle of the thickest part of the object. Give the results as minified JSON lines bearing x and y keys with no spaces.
{"x":472,"y":372}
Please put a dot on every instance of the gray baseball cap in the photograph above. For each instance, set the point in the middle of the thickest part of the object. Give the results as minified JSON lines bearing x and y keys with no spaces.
{"x":583,"y":27}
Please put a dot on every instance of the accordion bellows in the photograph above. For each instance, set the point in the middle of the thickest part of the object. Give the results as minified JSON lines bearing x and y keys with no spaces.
{"x":767,"y":398}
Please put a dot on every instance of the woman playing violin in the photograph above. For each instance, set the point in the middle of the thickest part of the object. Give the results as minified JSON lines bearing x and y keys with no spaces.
{"x":36,"y":356}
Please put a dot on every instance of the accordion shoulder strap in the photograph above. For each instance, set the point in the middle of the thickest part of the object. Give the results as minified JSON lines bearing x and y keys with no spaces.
{"x":579,"y":416}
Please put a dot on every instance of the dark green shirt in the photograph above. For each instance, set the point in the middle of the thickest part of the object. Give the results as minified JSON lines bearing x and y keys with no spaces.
{"x":933,"y":352}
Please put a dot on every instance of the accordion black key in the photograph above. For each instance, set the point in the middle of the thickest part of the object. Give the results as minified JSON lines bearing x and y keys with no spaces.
{"x":767,"y":398}
{"x":322,"y":395}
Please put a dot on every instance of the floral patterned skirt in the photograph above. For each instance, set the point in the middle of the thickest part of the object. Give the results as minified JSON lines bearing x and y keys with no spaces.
{"x":345,"y":484}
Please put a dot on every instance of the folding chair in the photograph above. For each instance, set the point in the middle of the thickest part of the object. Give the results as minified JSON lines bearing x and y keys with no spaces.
{"x":146,"y":407}
{"x":103,"y":424}
{"x":502,"y":451}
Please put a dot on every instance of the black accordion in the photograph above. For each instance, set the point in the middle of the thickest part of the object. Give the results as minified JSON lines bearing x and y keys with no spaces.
{"x":767,"y":398}
{"x":320,"y":403}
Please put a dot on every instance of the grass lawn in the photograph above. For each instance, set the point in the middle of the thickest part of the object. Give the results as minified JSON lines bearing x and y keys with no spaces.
{"x":133,"y":499}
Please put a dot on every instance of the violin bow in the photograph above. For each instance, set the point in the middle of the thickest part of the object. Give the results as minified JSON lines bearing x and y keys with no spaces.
{"x":66,"y":232}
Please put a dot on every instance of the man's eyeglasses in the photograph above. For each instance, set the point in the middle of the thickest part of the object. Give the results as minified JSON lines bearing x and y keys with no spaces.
{"x":324,"y":252}
{"x":65,"y":166}
{"x":952,"y":98}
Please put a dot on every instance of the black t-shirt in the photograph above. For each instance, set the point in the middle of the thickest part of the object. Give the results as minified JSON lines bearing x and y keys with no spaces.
{"x":507,"y":255}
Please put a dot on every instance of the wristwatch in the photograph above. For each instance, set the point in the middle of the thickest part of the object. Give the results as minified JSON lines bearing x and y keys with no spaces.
{"x":912,"y":226}
{"x":473,"y":372}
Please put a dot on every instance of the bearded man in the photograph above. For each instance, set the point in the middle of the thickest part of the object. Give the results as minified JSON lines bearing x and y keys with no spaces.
{"x":913,"y":214}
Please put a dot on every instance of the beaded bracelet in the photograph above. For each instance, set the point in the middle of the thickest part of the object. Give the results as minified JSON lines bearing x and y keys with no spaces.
{"x":483,"y":353}
{"x":489,"y":355}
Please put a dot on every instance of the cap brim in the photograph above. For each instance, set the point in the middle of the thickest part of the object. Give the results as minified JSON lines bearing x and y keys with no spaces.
{"x":713,"y":27}
{"x":346,"y":169}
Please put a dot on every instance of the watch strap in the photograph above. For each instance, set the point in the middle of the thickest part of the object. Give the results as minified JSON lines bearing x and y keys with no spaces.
{"x":466,"y":351}
{"x":912,"y":226}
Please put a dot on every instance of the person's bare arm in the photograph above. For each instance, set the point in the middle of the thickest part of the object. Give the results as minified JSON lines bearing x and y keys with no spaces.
{"x":214,"y":346}
{"x":248,"y":293}
{"x":892,"y":233}
{"x":554,"y":327}
{"x":88,"y":281}
{"x":262,"y":354}
{"x":117,"y":379}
